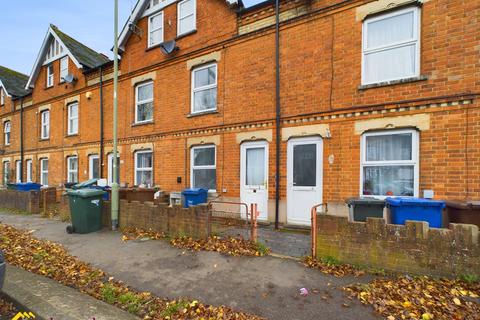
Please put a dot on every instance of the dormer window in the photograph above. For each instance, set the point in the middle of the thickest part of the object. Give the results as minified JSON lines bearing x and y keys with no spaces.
{"x":54,"y":50}
{"x":155,"y":29}
{"x":50,"y":76}
{"x":187,"y":16}
{"x":63,"y":68}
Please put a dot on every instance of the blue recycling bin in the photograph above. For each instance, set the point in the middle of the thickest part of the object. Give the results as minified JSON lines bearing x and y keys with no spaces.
{"x":416,"y":209}
{"x":28,"y":186}
{"x":194,"y":196}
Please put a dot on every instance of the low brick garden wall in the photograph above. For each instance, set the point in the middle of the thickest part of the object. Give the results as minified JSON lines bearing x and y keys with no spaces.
{"x":23,"y":201}
{"x":413,"y":248}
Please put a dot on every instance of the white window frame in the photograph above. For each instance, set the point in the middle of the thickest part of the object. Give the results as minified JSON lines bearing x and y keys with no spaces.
{"x":180,"y":17}
{"x":50,"y":76}
{"x":137,"y":102}
{"x":110,"y":168}
{"x":2,"y":96}
{"x":29,"y":165}
{"x":18,"y":171}
{"x":90,"y":164}
{"x":45,"y":124}
{"x":415,"y":40}
{"x":71,"y":118}
{"x":69,"y":171}
{"x":63,"y":68}
{"x":6,"y":172}
{"x":150,"y":31}
{"x":7,"y":129}
{"x":204,"y":88}
{"x":414,"y":162}
{"x":193,"y":167}
{"x":43,"y":172}
{"x":137,"y":169}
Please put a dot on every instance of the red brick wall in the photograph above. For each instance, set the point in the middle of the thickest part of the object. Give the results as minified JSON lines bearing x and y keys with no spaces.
{"x":320,"y":78}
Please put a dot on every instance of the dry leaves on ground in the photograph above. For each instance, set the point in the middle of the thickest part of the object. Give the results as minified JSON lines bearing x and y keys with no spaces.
{"x":7,"y":309}
{"x":52,"y":260}
{"x":332,"y":267}
{"x":228,"y":245}
{"x":420,"y":298}
{"x":132,"y":233}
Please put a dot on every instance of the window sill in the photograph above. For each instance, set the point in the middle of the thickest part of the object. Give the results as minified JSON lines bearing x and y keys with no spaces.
{"x":72,"y":135}
{"x":186,"y":34}
{"x":392,"y":83}
{"x":139,"y":124}
{"x":44,"y":139}
{"x":48,"y":88}
{"x":203,"y":113}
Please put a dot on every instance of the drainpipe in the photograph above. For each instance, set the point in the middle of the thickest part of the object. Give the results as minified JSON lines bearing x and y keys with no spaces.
{"x":101,"y":124}
{"x":278,"y":111}
{"x":21,"y":139}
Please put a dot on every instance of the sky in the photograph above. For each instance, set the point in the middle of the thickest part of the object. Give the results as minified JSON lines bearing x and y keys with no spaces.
{"x":24,"y":25}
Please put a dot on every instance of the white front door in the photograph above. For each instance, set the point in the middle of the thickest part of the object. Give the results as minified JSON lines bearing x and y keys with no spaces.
{"x":254,"y":176}
{"x":304,"y":178}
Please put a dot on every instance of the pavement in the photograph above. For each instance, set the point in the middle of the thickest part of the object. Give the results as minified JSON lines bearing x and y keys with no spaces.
{"x":266,"y":286}
{"x":48,"y":299}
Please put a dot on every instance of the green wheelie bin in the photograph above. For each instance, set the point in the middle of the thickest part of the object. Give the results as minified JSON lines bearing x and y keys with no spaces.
{"x":86,"y":210}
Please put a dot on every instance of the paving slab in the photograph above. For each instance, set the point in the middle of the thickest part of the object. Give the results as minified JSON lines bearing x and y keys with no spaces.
{"x":266,"y":286}
{"x":48,"y":299}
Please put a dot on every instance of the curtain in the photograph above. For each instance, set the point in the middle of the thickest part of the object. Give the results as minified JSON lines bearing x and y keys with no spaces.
{"x":389,"y":147}
{"x":255,"y":166}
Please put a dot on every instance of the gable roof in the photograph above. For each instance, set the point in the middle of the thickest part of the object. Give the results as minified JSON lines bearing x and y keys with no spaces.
{"x":83,"y":56}
{"x":13,"y":82}
{"x":138,"y":12}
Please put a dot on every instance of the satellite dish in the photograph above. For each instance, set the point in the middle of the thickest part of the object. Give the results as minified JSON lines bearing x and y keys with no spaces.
{"x":69,"y":78}
{"x":169,"y":47}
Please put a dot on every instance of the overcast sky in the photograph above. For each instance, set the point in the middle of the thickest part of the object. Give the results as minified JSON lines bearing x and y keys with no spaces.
{"x":24,"y":24}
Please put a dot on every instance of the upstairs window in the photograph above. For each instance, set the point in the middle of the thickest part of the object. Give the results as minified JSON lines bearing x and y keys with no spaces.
{"x":144,"y":168}
{"x":391,"y":46}
{"x":204,"y":168}
{"x":187,"y":16}
{"x":2,"y":97}
{"x":63,"y":68}
{"x":155,"y":29}
{"x":390,"y":163}
{"x":72,"y":169}
{"x":144,"y":102}
{"x":204,"y":88}
{"x":72,"y":118}
{"x":7,"y":126}
{"x":50,"y":76}
{"x":45,"y":124}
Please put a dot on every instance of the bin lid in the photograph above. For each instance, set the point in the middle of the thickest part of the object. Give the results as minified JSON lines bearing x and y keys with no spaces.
{"x":404,"y":201}
{"x":365,"y":201}
{"x":194,"y":191}
{"x":28,"y":184}
{"x":86,"y":193}
{"x":85,"y":184}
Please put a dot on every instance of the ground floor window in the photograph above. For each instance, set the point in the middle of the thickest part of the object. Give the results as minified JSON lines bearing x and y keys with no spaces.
{"x":18,"y":171}
{"x":144,"y":168}
{"x":72,"y":169}
{"x":390,"y":163}
{"x":6,"y":172}
{"x":204,"y":168}
{"x":44,"y":172}
{"x":29,"y":170}
{"x":94,"y":167}
{"x":110,"y":165}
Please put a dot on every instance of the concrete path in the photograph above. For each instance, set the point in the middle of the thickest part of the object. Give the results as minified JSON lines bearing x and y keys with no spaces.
{"x":264,"y":286}
{"x":48,"y":299}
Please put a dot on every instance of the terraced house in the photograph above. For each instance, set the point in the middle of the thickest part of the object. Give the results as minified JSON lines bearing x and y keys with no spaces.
{"x":374,"y":98}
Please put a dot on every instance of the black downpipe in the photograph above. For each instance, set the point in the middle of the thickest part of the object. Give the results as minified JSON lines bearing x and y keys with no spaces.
{"x":100,"y":157}
{"x":278,"y":112}
{"x":21,"y":139}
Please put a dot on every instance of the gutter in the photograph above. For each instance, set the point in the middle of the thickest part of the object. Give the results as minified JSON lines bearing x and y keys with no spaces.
{"x":277,"y":113}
